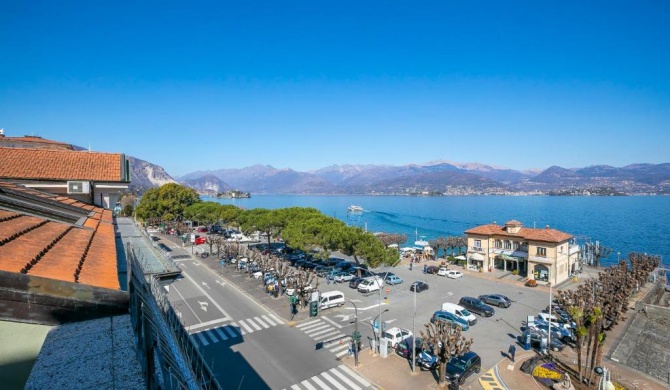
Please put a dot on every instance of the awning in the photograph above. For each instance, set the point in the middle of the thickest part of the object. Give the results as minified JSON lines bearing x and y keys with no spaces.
{"x":477,"y":257}
{"x":460,"y":257}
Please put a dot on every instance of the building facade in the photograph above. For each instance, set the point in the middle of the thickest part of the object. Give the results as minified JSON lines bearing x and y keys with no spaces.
{"x":90,"y":177}
{"x":545,"y":255}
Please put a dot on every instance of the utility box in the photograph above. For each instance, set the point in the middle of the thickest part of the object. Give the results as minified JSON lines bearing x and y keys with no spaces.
{"x":383,"y":347}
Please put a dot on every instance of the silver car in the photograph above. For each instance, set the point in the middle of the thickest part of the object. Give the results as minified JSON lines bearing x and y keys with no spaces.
{"x":496,"y":300}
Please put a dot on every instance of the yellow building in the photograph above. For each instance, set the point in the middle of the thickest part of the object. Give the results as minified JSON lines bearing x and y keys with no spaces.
{"x":545,"y":255}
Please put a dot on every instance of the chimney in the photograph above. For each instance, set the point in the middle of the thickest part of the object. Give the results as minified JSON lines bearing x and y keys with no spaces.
{"x":2,"y":133}
{"x":547,"y":227}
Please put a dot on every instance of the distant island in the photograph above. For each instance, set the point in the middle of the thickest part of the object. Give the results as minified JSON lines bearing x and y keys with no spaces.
{"x":233,"y":194}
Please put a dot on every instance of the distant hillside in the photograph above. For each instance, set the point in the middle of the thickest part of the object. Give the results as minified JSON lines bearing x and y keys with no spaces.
{"x":145,"y":175}
{"x":208,"y":185}
{"x":446,"y":178}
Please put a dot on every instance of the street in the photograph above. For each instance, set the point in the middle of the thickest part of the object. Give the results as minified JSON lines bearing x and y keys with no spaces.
{"x":245,"y":345}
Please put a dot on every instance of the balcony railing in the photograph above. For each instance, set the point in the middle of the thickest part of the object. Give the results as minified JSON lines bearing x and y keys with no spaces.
{"x":476,"y":249}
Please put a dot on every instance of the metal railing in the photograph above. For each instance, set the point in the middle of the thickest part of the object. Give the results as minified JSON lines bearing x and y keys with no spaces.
{"x":168,"y":357}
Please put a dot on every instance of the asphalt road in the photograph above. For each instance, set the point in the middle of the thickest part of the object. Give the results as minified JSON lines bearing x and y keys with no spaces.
{"x":245,"y":345}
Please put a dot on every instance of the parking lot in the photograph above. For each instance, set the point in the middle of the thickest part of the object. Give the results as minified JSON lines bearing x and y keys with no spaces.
{"x":492,"y":335}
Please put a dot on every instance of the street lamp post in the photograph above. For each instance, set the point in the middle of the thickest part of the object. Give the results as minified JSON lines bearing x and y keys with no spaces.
{"x":380,"y":313}
{"x":356,"y":333}
{"x":549,"y":329}
{"x":414,"y":333}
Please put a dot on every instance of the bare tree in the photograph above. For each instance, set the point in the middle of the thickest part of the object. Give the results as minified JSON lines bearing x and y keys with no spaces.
{"x":445,"y":341}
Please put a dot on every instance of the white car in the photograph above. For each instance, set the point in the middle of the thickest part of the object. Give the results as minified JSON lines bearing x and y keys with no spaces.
{"x":443,"y":271}
{"x":291,"y":291}
{"x":396,"y":335}
{"x":454,"y":274}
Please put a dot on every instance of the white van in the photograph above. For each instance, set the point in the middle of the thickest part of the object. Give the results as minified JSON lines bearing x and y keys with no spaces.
{"x":459,"y":311}
{"x":331,"y":299}
{"x":370,"y":284}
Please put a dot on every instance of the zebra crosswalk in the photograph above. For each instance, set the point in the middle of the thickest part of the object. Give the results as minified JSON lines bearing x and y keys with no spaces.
{"x":332,"y":339}
{"x":234,"y":329}
{"x":340,"y":377}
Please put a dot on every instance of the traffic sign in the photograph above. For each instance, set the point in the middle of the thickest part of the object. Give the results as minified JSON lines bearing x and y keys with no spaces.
{"x":388,"y":290}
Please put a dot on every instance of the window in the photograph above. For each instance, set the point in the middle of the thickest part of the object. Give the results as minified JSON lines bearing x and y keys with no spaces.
{"x":498,"y":244}
{"x":516,"y":245}
{"x":508,"y":244}
{"x":478,"y":243}
{"x":541,"y":251}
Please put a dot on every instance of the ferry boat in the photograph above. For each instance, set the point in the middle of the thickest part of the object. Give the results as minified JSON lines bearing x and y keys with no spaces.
{"x":355,"y":209}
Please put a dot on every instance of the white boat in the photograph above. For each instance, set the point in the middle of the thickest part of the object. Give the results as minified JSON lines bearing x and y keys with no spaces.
{"x":355,"y":209}
{"x":422,"y":242}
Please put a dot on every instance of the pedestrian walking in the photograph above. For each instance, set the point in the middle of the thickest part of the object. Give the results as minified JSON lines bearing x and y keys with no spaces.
{"x":327,"y":279}
{"x":425,"y":267}
{"x":511,"y":352}
{"x":410,"y":266}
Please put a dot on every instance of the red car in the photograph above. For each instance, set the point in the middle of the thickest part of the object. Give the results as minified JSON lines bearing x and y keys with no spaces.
{"x":200,"y":240}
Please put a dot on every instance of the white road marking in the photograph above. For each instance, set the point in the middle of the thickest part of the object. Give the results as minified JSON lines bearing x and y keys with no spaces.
{"x":239,"y":329}
{"x":245,"y":326}
{"x":205,"y":324}
{"x":327,"y":335}
{"x":355,"y":376}
{"x":333,"y":322}
{"x":221,"y":334}
{"x":308,"y":385}
{"x":250,"y":320}
{"x":263,"y":324}
{"x":345,"y":379}
{"x":320,"y":383}
{"x":333,"y":381}
{"x":230,"y":330}
{"x":269,"y":320}
{"x":203,"y":340}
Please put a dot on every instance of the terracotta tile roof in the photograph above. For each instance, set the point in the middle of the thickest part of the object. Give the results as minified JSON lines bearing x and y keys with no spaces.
{"x":43,"y":247}
{"x":57,"y":164}
{"x":531,"y":234}
{"x":33,"y":142}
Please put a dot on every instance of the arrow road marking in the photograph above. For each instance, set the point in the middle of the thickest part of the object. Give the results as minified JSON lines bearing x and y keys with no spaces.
{"x":203,"y":305}
{"x":220,"y":282}
{"x":205,"y":284}
{"x":345,"y":317}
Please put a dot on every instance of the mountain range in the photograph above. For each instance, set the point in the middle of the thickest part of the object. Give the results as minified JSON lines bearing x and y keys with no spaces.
{"x":436,"y":178}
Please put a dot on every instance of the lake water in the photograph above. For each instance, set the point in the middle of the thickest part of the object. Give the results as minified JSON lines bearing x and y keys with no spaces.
{"x":624,"y":223}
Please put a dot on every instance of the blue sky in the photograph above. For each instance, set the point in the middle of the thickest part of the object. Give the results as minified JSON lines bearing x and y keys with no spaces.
{"x":307,"y":84}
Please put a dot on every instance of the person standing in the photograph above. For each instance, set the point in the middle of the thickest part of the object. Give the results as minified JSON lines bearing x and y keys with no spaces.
{"x":425,"y":267}
{"x":511,"y":351}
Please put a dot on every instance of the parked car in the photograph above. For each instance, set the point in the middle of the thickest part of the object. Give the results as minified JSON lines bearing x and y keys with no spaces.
{"x":291,"y":291}
{"x":557,"y":332}
{"x":404,"y":348}
{"x":396,"y":335}
{"x":451,"y":318}
{"x":476,"y":306}
{"x":536,"y":337}
{"x":453,"y":274}
{"x":496,"y":300}
{"x":323,"y":270}
{"x":442,"y":271}
{"x":556,"y":320}
{"x":426,"y":359}
{"x":342,"y":277}
{"x":459,"y":368}
{"x":393,"y":279}
{"x":418,"y":286}
{"x":370,"y":284}
{"x":432,"y":269}
{"x":354,"y":282}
